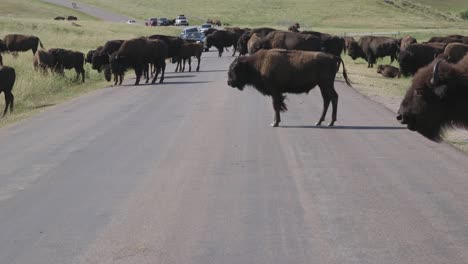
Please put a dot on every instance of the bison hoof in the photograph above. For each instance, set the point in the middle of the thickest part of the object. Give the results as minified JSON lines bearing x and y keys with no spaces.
{"x":319,"y":123}
{"x":274,"y":124}
{"x":331,"y":124}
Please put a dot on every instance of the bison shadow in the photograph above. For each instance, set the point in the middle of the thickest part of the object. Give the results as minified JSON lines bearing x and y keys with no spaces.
{"x":193,"y":82}
{"x":178,"y":76}
{"x":351,"y":127}
{"x":215,"y":71}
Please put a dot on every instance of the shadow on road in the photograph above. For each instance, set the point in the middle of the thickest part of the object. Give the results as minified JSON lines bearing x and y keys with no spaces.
{"x":215,"y":71}
{"x":43,"y":106}
{"x":351,"y":127}
{"x":178,"y":76}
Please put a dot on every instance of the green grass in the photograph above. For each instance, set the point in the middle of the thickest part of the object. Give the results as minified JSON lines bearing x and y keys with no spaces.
{"x":343,"y":14}
{"x":34,"y":91}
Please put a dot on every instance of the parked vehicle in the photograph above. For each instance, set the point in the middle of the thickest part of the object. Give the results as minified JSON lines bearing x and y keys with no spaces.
{"x":192,"y":33}
{"x":163,"y":21}
{"x":131,"y":21}
{"x":181,"y":20}
{"x":205,"y":27}
{"x":151,"y":22}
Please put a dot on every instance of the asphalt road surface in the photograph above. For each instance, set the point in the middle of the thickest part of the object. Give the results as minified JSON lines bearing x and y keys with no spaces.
{"x":191,"y":172}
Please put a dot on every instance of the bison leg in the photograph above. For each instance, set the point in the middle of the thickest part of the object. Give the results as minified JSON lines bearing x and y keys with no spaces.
{"x":235,"y":49}
{"x":278,"y":105}
{"x":190,"y":64}
{"x":220,"y":52}
{"x":8,"y":99}
{"x":326,"y":103}
{"x":146,"y":69}
{"x":198,"y":66}
{"x":163,"y":70}
{"x":138,"y":73}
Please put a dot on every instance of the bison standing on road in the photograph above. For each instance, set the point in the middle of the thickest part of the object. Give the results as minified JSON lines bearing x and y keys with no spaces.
{"x":7,"y":80}
{"x":415,"y":57}
{"x":437,"y":99}
{"x":17,"y":42}
{"x":288,"y":40}
{"x":69,"y":59}
{"x":189,"y":50}
{"x":221,"y":39}
{"x":138,"y":53}
{"x":372,"y":48}
{"x":275,"y":72}
{"x":243,"y":40}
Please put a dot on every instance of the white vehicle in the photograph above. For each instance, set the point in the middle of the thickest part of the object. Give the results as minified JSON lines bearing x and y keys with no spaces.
{"x":181,"y":20}
{"x":131,"y":21}
{"x":205,"y":27}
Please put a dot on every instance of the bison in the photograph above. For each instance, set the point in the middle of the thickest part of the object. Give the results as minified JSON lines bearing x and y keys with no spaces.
{"x":406,"y":41}
{"x":415,"y":57}
{"x":138,"y":53}
{"x":436,"y":99}
{"x":348,"y":40}
{"x":101,"y":55}
{"x":277,"y":71}
{"x":189,"y":50}
{"x":7,"y":81}
{"x":252,"y":42}
{"x":221,"y":39}
{"x":69,"y":59}
{"x":294,"y":27}
{"x":454,"y":52}
{"x":59,"y":18}
{"x":445,"y":40}
{"x":288,"y":40}
{"x":117,"y":69}
{"x":44,"y":60}
{"x":242,"y":42}
{"x":72,"y":18}
{"x":372,"y":48}
{"x":388,"y":71}
{"x":18,"y":42}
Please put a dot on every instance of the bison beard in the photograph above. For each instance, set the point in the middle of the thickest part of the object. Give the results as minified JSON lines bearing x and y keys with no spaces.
{"x":274,"y":72}
{"x":436,"y":99}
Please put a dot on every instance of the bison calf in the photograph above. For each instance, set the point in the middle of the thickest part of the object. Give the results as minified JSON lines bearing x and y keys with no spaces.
{"x":388,"y":71}
{"x":44,"y":60}
{"x":189,"y":50}
{"x":69,"y":59}
{"x":276,"y":71}
{"x":7,"y":80}
{"x":436,"y":99}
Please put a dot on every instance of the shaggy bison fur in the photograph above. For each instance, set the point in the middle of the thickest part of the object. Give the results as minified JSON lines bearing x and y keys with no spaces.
{"x":7,"y":81}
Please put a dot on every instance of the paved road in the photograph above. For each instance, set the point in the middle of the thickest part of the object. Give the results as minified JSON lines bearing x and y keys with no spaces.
{"x":191,"y":172}
{"x":91,"y":10}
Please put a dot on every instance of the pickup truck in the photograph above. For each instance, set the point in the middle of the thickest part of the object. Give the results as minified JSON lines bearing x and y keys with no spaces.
{"x":181,"y":20}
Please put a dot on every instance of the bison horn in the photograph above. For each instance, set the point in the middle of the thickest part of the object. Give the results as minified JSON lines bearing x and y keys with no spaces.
{"x":435,"y":73}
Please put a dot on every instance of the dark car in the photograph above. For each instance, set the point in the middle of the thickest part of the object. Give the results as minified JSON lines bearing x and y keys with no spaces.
{"x":192,"y":33}
{"x":163,"y":21}
{"x":151,"y":22}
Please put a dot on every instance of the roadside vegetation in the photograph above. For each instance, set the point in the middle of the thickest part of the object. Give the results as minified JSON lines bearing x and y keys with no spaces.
{"x":33,"y":91}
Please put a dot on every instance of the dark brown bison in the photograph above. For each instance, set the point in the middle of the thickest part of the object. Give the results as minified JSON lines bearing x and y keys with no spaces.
{"x":275,"y":72}
{"x":440,"y":46}
{"x":371,"y":48}
{"x":242,"y":42}
{"x":221,"y":39}
{"x":252,"y":42}
{"x":138,"y":53}
{"x":90,"y":54}
{"x":7,"y":81}
{"x":69,"y":59}
{"x":189,"y":50}
{"x":59,"y":18}
{"x":174,"y":44}
{"x":330,"y":43}
{"x":464,"y":39}
{"x":288,"y":40}
{"x":116,"y":69}
{"x":294,"y":27}
{"x":100,"y":57}
{"x":209,"y":31}
{"x":436,"y":99}
{"x":17,"y":42}
{"x":415,"y":57}
{"x":72,"y":18}
{"x":388,"y":71}
{"x":348,"y":40}
{"x":445,"y":40}
{"x":406,"y":41}
{"x":454,"y":52}
{"x":44,"y":60}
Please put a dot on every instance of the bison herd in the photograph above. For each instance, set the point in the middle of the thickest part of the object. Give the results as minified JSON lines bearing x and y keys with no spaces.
{"x":276,"y":62}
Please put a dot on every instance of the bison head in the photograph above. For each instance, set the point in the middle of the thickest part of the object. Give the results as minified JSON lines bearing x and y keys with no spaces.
{"x":238,"y":74}
{"x":380,"y":69}
{"x":407,"y":63}
{"x":209,"y":41}
{"x":424,"y":108}
{"x":3,"y":46}
{"x":355,"y":51}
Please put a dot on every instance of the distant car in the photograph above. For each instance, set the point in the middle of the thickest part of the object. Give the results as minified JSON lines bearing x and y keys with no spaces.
{"x":205,"y":27}
{"x":151,"y":22}
{"x":131,"y":21}
{"x":163,"y":21}
{"x":193,"y":33}
{"x":181,"y":20}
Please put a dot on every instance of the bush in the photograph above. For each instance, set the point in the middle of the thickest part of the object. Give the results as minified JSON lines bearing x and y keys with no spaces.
{"x":464,"y":15}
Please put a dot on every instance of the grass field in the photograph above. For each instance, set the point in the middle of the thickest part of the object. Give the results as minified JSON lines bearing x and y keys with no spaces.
{"x":33,"y":91}
{"x":343,"y":14}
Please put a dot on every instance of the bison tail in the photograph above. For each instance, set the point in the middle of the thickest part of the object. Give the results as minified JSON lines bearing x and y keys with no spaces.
{"x":345,"y":75}
{"x":40,"y":44}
